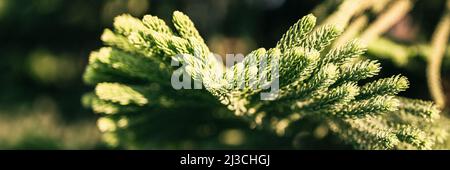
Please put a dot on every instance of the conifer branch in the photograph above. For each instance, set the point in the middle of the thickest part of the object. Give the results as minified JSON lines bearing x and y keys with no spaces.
{"x":134,"y":92}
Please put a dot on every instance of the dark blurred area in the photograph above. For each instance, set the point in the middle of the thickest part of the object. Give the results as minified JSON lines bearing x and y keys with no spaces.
{"x":45,"y":46}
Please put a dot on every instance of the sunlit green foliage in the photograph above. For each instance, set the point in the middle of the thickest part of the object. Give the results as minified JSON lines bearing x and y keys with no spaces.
{"x":137,"y":103}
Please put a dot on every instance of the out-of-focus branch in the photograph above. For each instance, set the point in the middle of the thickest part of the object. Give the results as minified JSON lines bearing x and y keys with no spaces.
{"x":439,"y":43}
{"x":380,"y":6}
{"x":385,"y":48}
{"x":386,"y":20}
{"x":346,"y":11}
{"x":358,"y":24}
{"x":321,"y":11}
{"x":352,"y":30}
{"x":400,"y":54}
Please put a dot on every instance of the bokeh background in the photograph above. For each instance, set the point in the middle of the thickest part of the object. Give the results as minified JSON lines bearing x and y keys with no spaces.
{"x":45,"y":44}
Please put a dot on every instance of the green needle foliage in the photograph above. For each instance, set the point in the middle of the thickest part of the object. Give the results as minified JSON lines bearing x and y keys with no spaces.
{"x":140,"y":108}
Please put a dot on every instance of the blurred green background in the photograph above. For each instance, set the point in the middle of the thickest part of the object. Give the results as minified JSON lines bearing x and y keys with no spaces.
{"x":45,"y":46}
